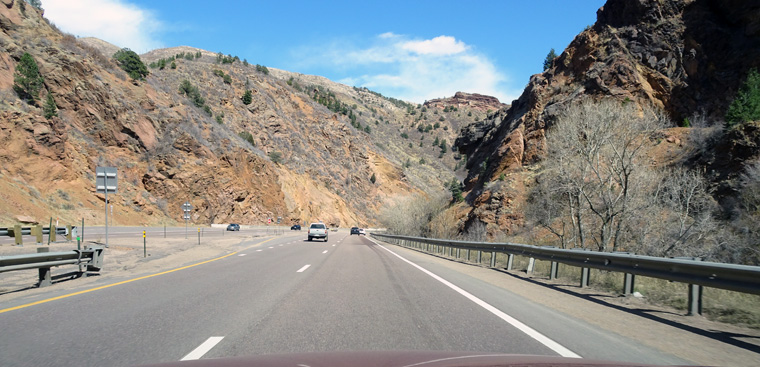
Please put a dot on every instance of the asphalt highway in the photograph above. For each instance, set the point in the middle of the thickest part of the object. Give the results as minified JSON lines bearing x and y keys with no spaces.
{"x":283,"y":294}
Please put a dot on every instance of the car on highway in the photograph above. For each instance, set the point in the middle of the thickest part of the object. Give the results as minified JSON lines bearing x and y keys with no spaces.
{"x":355,"y":230}
{"x":317,"y":230}
{"x":295,"y":227}
{"x":361,"y":231}
{"x":233,"y":227}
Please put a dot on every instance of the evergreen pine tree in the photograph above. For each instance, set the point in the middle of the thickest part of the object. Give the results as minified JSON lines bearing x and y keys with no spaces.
{"x":746,"y":105}
{"x":549,"y":59}
{"x":50,"y":109}
{"x":27,"y":80}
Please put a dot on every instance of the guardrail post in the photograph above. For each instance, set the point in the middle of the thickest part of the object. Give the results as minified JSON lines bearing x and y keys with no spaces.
{"x":68,"y":232}
{"x":585,"y":272}
{"x":531,"y":265}
{"x":628,"y":284}
{"x":510,"y":259}
{"x":695,"y":300}
{"x":37,"y":232}
{"x":553,"y":271}
{"x":480,"y":256}
{"x":45,"y":277}
{"x":468,"y":255}
{"x":493,"y":259}
{"x":17,"y":235}
{"x":51,"y":234}
{"x":450,"y":250}
{"x":458,"y":252}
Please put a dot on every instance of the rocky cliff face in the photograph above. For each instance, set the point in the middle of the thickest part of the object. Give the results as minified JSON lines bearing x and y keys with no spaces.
{"x":685,"y":56}
{"x":475,"y":101}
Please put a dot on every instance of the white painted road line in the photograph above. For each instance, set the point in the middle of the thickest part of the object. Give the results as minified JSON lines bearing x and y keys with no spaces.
{"x":541,"y":338}
{"x":241,"y":255}
{"x":271,"y":247}
{"x":203,"y":348}
{"x":280,"y":244}
{"x":324,"y":252}
{"x":301,"y":270}
{"x":259,"y":250}
{"x":333,"y":245}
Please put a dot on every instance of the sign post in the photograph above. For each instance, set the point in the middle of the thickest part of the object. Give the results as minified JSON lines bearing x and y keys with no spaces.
{"x":186,"y":207}
{"x":145,"y":251}
{"x":105,"y":183}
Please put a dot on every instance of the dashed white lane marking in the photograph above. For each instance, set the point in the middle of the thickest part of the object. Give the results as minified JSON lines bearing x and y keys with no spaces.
{"x":241,"y":255}
{"x":541,"y":338}
{"x":324,"y":252}
{"x":259,"y":250}
{"x":280,"y":244}
{"x":271,"y":247}
{"x":301,"y":270}
{"x":202,"y":349}
{"x":333,"y":245}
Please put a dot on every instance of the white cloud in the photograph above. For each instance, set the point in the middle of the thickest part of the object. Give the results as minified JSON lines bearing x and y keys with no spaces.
{"x":441,"y":45}
{"x":416,"y":70}
{"x":114,"y":21}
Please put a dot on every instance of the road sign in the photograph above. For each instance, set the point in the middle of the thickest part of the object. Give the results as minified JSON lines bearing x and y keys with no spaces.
{"x":105,"y":180}
{"x":105,"y":183}
{"x":186,"y":208}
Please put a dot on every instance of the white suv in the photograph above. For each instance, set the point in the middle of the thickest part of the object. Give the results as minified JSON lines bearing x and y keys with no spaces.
{"x":317,"y":230}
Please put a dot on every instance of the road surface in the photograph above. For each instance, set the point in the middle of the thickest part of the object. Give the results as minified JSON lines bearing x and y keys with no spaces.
{"x":284,"y":294}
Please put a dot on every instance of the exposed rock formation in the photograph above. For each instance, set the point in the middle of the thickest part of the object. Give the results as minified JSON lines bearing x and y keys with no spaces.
{"x":685,"y":56}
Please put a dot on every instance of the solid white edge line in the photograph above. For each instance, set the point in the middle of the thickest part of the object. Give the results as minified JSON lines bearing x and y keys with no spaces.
{"x":202,"y":349}
{"x":541,"y":338}
{"x":301,"y":270}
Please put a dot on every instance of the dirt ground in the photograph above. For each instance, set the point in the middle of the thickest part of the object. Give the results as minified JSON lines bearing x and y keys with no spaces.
{"x":692,"y":338}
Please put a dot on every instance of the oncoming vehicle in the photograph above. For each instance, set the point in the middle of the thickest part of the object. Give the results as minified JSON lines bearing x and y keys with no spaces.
{"x":295,"y":227}
{"x":355,"y":230}
{"x":317,"y":230}
{"x":233,"y":227}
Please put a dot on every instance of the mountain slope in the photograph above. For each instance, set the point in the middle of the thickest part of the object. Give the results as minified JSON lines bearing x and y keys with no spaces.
{"x":304,"y":149}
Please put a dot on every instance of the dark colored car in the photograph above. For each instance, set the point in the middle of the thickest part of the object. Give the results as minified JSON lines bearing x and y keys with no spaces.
{"x":355,"y":230}
{"x":233,"y":227}
{"x":295,"y":227}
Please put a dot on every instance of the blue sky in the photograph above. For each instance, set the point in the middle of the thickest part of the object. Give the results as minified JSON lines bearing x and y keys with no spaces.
{"x":412,"y":50}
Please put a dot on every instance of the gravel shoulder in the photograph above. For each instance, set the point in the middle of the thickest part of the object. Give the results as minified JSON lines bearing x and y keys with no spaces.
{"x":692,"y":338}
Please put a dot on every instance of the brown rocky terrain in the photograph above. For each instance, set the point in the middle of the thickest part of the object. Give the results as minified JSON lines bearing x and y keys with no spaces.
{"x":473,"y":100}
{"x":687,"y":57}
{"x":306,"y":160}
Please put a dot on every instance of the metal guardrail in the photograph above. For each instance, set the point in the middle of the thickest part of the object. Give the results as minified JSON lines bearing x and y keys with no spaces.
{"x":37,"y":231}
{"x":89,"y":259}
{"x":740,"y":278}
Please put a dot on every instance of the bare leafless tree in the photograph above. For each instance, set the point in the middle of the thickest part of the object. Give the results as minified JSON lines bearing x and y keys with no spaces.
{"x":595,"y":153}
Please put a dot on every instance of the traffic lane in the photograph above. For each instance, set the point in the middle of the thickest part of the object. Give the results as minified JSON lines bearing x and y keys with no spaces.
{"x":585,"y":339}
{"x":155,"y":319}
{"x":363,"y":298}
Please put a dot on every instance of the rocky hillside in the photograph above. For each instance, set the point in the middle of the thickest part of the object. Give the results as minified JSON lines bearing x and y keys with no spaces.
{"x":303,"y":149}
{"x":687,"y":57}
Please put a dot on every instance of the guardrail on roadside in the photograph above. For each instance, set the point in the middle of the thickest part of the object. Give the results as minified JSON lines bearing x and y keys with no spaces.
{"x":89,"y":259}
{"x":740,"y":278}
{"x":38,"y":231}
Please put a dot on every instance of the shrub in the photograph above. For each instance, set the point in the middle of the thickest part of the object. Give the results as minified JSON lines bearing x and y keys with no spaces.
{"x":227,"y":79}
{"x":404,"y":135}
{"x":247,"y":97}
{"x":130,"y":62}
{"x":276,"y":157}
{"x":27,"y":80}
{"x":746,"y":105}
{"x":262,"y":69}
{"x":219,"y":119}
{"x":247,"y":137}
{"x":373,"y":178}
